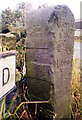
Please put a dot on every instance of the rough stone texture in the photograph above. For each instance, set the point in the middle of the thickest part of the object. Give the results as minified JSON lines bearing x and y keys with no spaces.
{"x":50,"y":38}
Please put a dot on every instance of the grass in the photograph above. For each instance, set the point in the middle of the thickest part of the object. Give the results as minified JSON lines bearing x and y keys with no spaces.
{"x":2,"y":108}
{"x":75,"y":85}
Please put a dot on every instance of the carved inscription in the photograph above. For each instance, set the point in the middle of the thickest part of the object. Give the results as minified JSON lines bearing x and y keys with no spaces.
{"x":62,"y":63}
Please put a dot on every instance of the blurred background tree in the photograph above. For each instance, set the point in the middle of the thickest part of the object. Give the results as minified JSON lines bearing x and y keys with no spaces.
{"x":16,"y":17}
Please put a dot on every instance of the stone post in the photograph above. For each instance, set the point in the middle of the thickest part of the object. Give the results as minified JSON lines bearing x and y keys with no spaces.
{"x":50,"y":39}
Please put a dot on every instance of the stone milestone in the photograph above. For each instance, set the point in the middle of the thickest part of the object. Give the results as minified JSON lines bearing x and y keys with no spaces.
{"x":49,"y":54}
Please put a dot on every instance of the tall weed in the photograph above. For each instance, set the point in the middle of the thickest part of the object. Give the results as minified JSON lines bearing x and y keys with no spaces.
{"x":75,"y":85}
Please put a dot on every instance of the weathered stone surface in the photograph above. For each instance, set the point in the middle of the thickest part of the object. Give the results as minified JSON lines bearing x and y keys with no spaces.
{"x":50,"y":37}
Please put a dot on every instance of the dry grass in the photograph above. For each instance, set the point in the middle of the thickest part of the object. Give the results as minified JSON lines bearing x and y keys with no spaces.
{"x":75,"y":85}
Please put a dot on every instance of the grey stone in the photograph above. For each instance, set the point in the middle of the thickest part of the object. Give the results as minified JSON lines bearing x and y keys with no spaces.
{"x":50,"y":39}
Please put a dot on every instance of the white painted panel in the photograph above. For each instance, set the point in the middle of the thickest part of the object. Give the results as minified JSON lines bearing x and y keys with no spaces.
{"x":7,"y":72}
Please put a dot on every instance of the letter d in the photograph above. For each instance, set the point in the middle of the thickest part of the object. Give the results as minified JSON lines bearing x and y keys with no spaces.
{"x":6,"y":75}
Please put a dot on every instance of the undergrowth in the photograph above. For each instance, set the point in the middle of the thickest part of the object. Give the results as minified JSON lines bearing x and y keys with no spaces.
{"x":75,"y":85}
